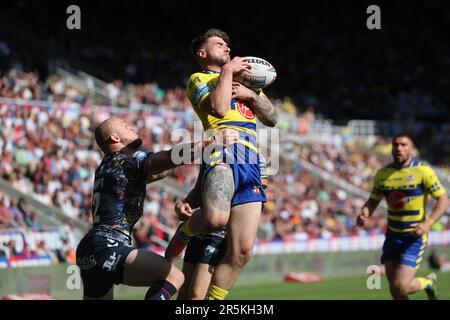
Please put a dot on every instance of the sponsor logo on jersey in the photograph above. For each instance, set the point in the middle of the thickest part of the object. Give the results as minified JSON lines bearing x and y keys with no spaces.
{"x":86,"y":262}
{"x":396,"y":200}
{"x":210,"y":249}
{"x":111,"y":263}
{"x":140,"y":155}
{"x":194,"y":82}
{"x":111,"y":243}
{"x":244,"y":110}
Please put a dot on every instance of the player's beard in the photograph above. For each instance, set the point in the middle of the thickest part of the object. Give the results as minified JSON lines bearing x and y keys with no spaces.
{"x":223,"y":61}
{"x":219,"y":61}
{"x":402,"y":160}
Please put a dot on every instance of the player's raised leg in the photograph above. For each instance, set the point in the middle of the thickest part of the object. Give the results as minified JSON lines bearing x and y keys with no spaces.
{"x":242,"y":228}
{"x":146,"y":268}
{"x":218,"y":188}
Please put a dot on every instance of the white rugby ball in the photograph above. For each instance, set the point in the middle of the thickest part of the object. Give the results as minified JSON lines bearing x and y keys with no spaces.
{"x":261,"y":75}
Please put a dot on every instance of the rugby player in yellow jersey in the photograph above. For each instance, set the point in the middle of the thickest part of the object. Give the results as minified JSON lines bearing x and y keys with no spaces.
{"x":406,"y":185}
{"x":232,"y":193}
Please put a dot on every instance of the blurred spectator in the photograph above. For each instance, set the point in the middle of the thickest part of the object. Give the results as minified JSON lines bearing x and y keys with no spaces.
{"x":438,"y":261}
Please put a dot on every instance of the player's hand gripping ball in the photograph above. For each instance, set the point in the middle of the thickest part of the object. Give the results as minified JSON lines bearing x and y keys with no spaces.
{"x":259,"y":76}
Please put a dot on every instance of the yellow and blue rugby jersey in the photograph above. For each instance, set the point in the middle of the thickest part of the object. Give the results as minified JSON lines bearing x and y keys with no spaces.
{"x":406,"y":191}
{"x":239,"y":115}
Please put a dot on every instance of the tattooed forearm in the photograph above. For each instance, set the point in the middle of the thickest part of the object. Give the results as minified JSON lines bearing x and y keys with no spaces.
{"x":265,"y":110}
{"x":218,"y":188}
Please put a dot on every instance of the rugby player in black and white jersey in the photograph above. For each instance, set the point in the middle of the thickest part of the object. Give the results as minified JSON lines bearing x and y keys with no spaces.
{"x":106,"y":255}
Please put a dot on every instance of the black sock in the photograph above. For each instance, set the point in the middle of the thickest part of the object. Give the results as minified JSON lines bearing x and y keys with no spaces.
{"x":161,"y":291}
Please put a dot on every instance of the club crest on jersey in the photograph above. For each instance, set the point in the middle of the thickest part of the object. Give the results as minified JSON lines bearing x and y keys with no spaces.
{"x":410,"y":177}
{"x":256,"y":189}
{"x":244,"y":110}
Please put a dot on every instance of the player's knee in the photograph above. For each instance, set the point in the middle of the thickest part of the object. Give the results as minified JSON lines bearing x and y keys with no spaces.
{"x":218,"y":220}
{"x":242,"y":256}
{"x":176,"y":278}
{"x":399,"y":288}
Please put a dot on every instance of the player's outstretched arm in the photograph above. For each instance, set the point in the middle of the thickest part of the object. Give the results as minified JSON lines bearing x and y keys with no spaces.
{"x":160,"y":164}
{"x":264,"y":109}
{"x":366,"y":211}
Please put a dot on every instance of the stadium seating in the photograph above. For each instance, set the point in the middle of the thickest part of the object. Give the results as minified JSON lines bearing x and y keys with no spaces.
{"x":46,"y":123}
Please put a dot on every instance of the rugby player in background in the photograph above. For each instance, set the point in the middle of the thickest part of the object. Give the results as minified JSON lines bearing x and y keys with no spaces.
{"x":232,"y":193}
{"x":105,"y":255}
{"x":202,"y":253}
{"x":406,"y":184}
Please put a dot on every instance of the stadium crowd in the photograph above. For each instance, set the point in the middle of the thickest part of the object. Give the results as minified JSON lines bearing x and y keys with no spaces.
{"x":50,"y":153}
{"x":47,"y":148}
{"x":14,"y":213}
{"x":17,"y":218}
{"x":320,"y":66}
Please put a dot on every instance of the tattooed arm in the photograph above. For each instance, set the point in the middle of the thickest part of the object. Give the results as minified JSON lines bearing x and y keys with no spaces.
{"x":264,"y":109}
{"x":261,"y":105}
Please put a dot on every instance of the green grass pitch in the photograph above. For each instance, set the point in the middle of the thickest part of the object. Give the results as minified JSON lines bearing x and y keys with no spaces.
{"x":353,"y":288}
{"x":349,"y":288}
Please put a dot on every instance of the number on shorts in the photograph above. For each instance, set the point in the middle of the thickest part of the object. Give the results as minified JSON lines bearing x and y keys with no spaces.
{"x":96,"y":204}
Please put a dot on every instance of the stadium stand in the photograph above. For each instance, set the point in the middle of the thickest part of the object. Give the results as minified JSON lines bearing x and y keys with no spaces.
{"x":59,"y":172}
{"x":47,"y":115}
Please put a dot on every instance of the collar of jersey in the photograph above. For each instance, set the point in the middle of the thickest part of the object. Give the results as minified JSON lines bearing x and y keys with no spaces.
{"x":413,"y":163}
{"x":405,"y":166}
{"x":210,"y":71}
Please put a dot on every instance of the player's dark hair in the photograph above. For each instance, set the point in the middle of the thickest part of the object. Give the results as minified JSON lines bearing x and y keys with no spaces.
{"x":405,"y":135}
{"x":198,"y":42}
